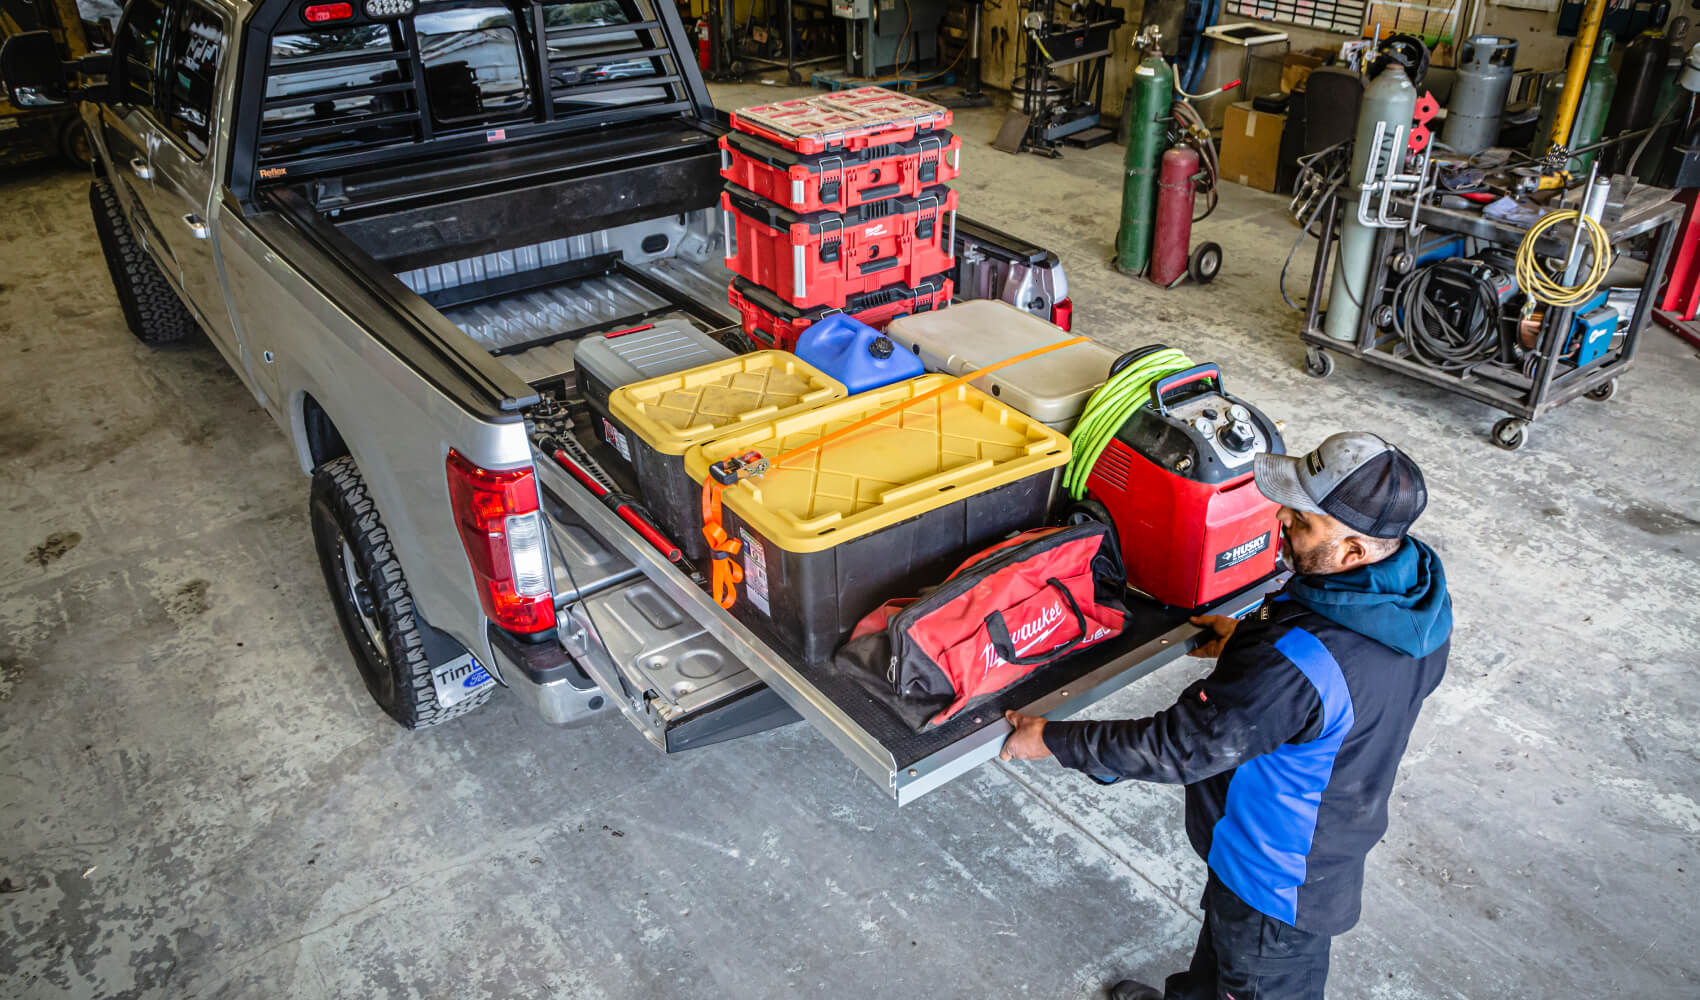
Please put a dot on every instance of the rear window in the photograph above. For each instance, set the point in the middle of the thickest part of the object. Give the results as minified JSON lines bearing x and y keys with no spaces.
{"x":334,"y":77}
{"x":473,"y":70}
{"x":587,"y":67}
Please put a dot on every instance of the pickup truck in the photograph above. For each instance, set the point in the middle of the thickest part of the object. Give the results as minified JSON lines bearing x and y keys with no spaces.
{"x":393,"y":218}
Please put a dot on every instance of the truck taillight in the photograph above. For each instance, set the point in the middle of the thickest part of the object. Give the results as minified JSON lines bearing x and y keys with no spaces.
{"x":501,"y":527}
{"x":1062,"y":314}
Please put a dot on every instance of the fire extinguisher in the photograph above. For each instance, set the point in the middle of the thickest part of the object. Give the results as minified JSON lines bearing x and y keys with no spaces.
{"x":704,"y":58}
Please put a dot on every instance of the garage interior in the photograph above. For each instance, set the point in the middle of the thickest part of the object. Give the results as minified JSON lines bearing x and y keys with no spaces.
{"x":199,"y":799}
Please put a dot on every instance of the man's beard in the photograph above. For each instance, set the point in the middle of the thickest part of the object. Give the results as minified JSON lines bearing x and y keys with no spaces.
{"x":1312,"y":562}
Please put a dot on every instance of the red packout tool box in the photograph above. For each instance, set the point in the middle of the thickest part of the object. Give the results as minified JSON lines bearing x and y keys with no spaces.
{"x":842,"y":120}
{"x":772,"y":322}
{"x":823,"y":258}
{"x":842,"y":180}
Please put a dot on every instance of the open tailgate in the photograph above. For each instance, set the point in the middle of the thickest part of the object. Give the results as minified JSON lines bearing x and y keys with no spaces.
{"x":905,"y":763}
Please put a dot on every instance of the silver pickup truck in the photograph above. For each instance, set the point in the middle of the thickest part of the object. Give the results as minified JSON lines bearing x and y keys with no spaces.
{"x":394,"y":218}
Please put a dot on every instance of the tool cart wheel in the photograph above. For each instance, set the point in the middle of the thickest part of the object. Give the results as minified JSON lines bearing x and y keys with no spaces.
{"x":1604,"y":391}
{"x":1511,"y":433}
{"x":1318,"y":362}
{"x":1205,"y":263}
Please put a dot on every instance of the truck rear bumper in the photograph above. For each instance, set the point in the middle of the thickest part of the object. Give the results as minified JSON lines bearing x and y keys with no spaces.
{"x":548,"y":680}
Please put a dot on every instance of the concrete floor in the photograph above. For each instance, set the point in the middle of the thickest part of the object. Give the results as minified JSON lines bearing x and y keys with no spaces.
{"x":198,"y":800}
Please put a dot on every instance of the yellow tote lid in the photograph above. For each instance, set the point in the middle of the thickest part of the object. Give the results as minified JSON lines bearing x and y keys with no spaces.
{"x":949,"y":447}
{"x":673,"y":412}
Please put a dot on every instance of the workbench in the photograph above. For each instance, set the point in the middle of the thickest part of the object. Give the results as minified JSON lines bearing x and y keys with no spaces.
{"x":1648,"y":216}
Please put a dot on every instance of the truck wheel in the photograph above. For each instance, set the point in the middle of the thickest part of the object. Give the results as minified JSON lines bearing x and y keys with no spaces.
{"x":373,"y":602}
{"x":74,"y":143}
{"x":152,"y":309}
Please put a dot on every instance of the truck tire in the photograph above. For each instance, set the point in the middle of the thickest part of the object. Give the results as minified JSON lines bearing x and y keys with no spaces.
{"x":152,"y":309}
{"x":373,"y":602}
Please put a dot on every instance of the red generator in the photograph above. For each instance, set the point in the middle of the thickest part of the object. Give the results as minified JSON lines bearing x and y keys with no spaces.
{"x":1176,"y":482}
{"x":835,"y":182}
{"x":774,"y":323}
{"x":823,"y":258}
{"x":842,"y":120}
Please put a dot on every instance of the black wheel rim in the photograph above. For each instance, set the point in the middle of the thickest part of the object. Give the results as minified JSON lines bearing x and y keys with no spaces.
{"x":356,"y":606}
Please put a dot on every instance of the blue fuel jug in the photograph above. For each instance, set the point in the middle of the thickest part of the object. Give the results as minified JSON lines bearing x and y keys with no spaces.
{"x":856,"y":354}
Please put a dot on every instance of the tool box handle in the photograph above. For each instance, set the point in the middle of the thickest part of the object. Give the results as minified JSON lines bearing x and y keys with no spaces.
{"x":1168,"y":383}
{"x":883,"y":264}
{"x":880,"y":191}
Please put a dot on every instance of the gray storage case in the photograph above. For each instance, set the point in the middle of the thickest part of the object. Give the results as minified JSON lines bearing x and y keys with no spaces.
{"x":666,"y":346}
{"x":1052,"y":388}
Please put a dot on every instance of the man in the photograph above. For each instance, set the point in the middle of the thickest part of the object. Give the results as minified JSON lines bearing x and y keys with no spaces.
{"x":1289,"y":747}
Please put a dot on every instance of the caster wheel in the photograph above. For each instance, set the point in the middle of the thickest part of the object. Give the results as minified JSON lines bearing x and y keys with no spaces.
{"x":1205,"y":263}
{"x":1604,"y":391}
{"x":737,"y":67}
{"x":1090,"y":511}
{"x":1318,"y":362}
{"x":1511,"y":433}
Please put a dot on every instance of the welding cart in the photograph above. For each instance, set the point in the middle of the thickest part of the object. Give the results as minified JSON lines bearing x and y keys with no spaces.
{"x":1551,"y":374}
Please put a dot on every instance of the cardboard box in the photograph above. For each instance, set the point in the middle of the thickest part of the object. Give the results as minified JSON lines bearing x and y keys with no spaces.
{"x":1295,"y":69}
{"x":1251,"y":146}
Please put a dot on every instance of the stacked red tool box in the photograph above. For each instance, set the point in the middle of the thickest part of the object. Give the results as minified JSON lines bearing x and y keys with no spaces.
{"x":838,"y":203}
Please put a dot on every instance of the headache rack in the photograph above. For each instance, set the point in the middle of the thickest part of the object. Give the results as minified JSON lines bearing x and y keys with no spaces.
{"x":448,"y":76}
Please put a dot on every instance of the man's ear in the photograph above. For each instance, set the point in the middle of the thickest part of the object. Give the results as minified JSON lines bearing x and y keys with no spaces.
{"x":1352,"y":552}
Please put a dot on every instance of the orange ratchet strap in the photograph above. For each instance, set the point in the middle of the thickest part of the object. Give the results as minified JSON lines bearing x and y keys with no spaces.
{"x":727,"y":573}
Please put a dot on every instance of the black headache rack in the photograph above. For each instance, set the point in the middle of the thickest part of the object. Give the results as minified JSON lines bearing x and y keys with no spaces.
{"x":400,"y":81}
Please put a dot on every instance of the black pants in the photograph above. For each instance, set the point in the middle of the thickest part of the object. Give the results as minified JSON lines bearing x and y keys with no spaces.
{"x":1244,"y":955}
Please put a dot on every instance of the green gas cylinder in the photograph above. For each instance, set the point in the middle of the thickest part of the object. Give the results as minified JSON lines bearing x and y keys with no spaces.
{"x":1147,"y":127}
{"x":1591,"y":113}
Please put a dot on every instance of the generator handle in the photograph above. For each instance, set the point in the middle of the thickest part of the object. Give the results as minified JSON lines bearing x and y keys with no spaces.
{"x":1168,"y":383}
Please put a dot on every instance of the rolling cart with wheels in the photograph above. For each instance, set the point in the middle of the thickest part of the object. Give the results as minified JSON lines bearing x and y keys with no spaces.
{"x":1649,"y":219}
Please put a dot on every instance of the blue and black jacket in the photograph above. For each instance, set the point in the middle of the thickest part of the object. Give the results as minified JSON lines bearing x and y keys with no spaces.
{"x":1289,"y":747}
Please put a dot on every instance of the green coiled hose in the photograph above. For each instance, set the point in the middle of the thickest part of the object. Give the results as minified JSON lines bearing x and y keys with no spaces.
{"x":1125,"y":391}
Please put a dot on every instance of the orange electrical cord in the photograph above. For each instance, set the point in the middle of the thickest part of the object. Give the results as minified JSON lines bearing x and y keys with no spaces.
{"x":727,"y":574}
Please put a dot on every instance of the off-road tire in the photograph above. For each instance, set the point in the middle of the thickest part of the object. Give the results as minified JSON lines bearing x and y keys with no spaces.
{"x":152,"y":309}
{"x":397,"y":670}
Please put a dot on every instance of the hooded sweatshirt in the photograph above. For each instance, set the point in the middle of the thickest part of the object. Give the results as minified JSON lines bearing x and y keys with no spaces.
{"x":1290,"y":746}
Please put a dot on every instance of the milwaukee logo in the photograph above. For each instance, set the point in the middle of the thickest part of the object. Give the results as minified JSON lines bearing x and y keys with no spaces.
{"x":874,"y":230}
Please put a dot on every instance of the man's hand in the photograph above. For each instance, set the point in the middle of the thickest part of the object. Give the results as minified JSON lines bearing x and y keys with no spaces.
{"x":1028,"y":740}
{"x":1224,"y":629}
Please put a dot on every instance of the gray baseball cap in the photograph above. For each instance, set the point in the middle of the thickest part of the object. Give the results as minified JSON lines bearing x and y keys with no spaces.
{"x":1355,"y":477}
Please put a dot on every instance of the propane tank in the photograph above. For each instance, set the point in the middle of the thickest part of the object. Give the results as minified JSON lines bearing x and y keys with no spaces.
{"x":1638,"y":95}
{"x":1485,"y":64}
{"x":1174,"y":216}
{"x":1595,"y":105}
{"x":1389,"y":98}
{"x":1146,"y":128}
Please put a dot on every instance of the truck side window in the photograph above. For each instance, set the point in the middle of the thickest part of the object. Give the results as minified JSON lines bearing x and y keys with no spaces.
{"x":139,"y":32}
{"x":473,"y":70}
{"x":192,"y":75}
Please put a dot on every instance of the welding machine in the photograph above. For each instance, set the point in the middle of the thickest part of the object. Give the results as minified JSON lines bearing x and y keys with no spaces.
{"x":1176,"y":482}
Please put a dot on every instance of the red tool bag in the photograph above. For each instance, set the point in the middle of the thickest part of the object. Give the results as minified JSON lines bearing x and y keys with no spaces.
{"x":774,"y":323}
{"x":822,"y":259}
{"x":838,"y":181}
{"x":1005,"y":613}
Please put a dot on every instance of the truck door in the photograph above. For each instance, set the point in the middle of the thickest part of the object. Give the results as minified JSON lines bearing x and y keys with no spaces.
{"x":184,"y":138}
{"x":124,"y":125}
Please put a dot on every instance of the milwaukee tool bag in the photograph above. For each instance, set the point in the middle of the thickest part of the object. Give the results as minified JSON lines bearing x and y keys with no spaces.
{"x":1005,"y":613}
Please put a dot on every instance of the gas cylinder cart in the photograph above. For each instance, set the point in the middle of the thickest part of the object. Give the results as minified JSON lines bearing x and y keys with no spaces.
{"x":1445,"y":300}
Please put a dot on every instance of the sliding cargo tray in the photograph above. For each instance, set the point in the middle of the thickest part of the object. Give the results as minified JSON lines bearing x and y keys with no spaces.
{"x":907,"y":764}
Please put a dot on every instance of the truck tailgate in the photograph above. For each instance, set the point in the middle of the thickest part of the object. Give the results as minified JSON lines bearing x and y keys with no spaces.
{"x":906,"y":764}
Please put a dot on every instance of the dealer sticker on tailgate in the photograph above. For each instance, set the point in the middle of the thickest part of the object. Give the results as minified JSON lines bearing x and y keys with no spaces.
{"x":459,"y":679}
